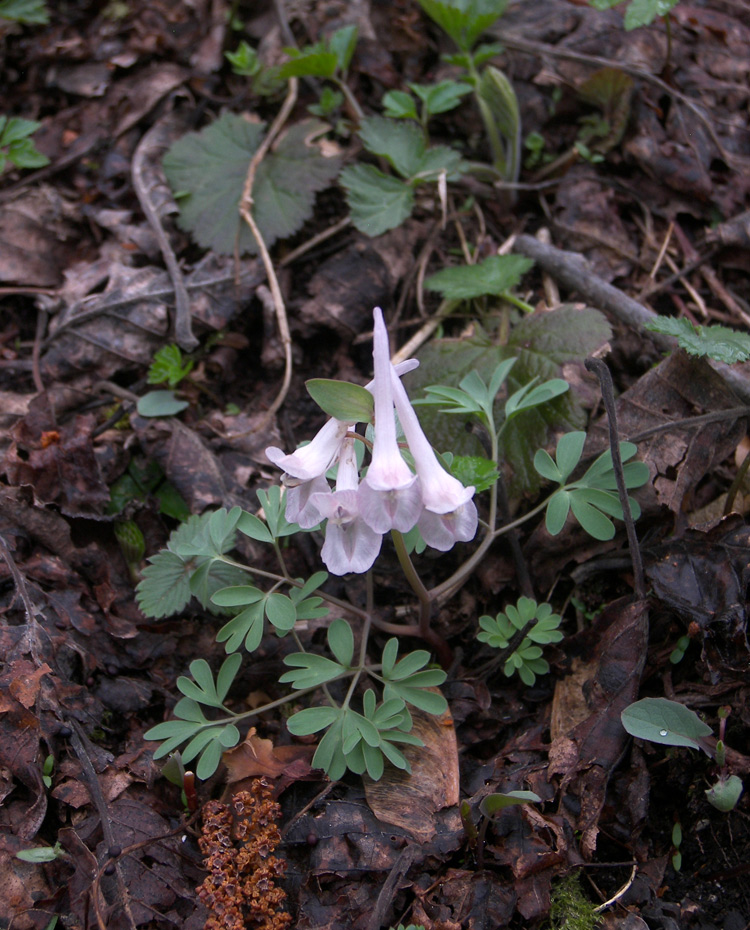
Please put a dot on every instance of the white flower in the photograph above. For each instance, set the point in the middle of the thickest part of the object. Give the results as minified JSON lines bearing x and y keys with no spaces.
{"x":350,"y":544}
{"x":316,"y":457}
{"x":389,"y":495}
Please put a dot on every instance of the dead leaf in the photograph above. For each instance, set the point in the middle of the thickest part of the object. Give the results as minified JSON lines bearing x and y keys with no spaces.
{"x":411,"y":801}
{"x":37,"y":238}
{"x":255,"y":757}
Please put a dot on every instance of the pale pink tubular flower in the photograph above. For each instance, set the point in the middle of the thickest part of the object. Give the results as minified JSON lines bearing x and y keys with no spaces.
{"x":449,"y":515}
{"x":350,"y":544}
{"x":316,"y":457}
{"x":389,"y":495}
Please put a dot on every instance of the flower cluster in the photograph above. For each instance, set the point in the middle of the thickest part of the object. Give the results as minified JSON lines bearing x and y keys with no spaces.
{"x":241,"y":889}
{"x":390,"y":496}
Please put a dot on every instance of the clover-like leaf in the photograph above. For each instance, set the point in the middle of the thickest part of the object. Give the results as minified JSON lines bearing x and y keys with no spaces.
{"x":341,"y":641}
{"x":310,"y":671}
{"x":202,"y":689}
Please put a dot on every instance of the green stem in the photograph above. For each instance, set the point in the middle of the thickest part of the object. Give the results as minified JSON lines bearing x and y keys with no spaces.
{"x":425,"y":603}
{"x":274,"y":576}
{"x":350,"y":99}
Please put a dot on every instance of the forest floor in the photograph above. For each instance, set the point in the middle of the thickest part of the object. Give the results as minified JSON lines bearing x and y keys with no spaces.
{"x":639,"y":163}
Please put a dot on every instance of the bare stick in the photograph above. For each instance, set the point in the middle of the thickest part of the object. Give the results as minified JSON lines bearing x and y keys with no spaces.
{"x":246,"y":205}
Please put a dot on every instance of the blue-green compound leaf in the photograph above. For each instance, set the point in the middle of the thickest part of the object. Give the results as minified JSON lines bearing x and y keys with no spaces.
{"x":662,"y":721}
{"x":341,"y":641}
{"x":310,"y":671}
{"x":207,"y":172}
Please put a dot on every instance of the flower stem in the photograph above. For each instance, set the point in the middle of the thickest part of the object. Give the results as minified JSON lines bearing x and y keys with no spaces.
{"x":426,"y":632}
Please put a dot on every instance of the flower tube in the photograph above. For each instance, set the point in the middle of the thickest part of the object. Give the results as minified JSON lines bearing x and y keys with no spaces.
{"x":449,"y":515}
{"x":389,"y":496}
{"x":350,"y":544}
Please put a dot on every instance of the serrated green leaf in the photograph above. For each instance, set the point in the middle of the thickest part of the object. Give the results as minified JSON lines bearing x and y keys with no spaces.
{"x":717,"y":342}
{"x":350,"y":403}
{"x":474,"y":470}
{"x":495,"y":275}
{"x":401,"y":144}
{"x":167,"y":366}
{"x":441,"y":97}
{"x":27,"y":12}
{"x":341,"y":641}
{"x":464,"y":20}
{"x":667,"y":722}
{"x":165,"y":586}
{"x":397,"y":104}
{"x":160,"y":404}
{"x":377,"y":201}
{"x":210,"y":167}
{"x":310,"y":63}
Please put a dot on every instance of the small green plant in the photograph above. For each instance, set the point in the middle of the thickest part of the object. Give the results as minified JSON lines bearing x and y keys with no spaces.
{"x":639,"y":12}
{"x":535,"y":624}
{"x":672,"y":724}
{"x":592,"y":498}
{"x":360,"y":707}
{"x":42,"y":854}
{"x":433,"y":100}
{"x":26,"y":12}
{"x":16,"y":145}
{"x":678,"y":653}
{"x":716,"y":342}
{"x":570,"y":909}
{"x":168,"y":367}
{"x":48,"y":768}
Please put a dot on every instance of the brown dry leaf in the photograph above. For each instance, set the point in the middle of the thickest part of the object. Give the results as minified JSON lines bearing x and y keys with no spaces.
{"x":25,"y":681}
{"x":37,"y":238}
{"x":23,"y":884}
{"x":255,"y":757}
{"x":621,"y":637}
{"x":411,"y":801}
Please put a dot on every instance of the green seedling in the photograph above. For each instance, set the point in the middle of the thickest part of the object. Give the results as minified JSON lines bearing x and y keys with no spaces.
{"x":168,"y":367}
{"x":42,"y":854}
{"x":433,"y":100}
{"x":639,"y":12}
{"x":26,"y":12}
{"x":534,"y":624}
{"x":16,"y":146}
{"x":672,"y":724}
{"x":48,"y":768}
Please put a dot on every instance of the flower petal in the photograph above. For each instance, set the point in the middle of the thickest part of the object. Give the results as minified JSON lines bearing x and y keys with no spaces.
{"x":351,"y":547}
{"x":300,"y":504}
{"x":395,"y":509}
{"x":441,"y":492}
{"x":443,"y":530}
{"x":316,"y":457}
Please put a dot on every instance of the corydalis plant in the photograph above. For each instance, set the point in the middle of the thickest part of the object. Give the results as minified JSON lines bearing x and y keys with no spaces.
{"x":389,"y":495}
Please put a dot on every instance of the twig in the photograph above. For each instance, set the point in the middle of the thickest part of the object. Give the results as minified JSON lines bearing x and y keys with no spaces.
{"x":78,"y":741}
{"x":41,"y":325}
{"x":32,"y":627}
{"x":183,"y":332}
{"x":574,"y":272}
{"x":541,"y":49}
{"x":246,"y":204}
{"x":597,"y":366}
